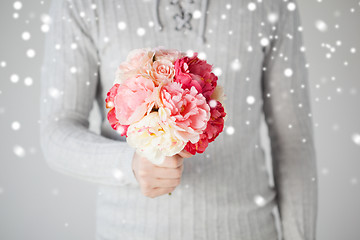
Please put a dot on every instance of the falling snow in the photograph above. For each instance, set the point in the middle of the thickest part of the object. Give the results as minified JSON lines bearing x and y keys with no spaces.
{"x":73,"y":70}
{"x":17,"y":5}
{"x":230,"y":130}
{"x":25,"y":36}
{"x":217,"y":71}
{"x":54,"y":92}
{"x":264,"y":42}
{"x":272,"y":18}
{"x":19,"y":151}
{"x":288,"y":72}
{"x":30,"y":53}
{"x":118,"y":174}
{"x":122,"y":25}
{"x":291,"y":6}
{"x":321,"y":25}
{"x":197,"y":14}
{"x":212,"y":103}
{"x":250,"y":100}
{"x":28,"y":81}
{"x":259,"y":200}
{"x":15,"y":125}
{"x":252,"y":6}
{"x":14,"y":78}
{"x":141,"y":32}
{"x":356,"y":138}
{"x":236,"y":65}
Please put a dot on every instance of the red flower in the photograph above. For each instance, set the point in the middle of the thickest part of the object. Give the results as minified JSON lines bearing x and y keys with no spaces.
{"x":216,"y":123}
{"x":199,"y":147}
{"x":114,"y":122}
{"x":195,"y":72}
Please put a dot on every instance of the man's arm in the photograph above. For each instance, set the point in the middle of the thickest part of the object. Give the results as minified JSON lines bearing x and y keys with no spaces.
{"x":288,"y":115}
{"x":68,"y":87}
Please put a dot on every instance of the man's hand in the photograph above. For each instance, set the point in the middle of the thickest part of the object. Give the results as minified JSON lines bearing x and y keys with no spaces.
{"x":156,"y":180}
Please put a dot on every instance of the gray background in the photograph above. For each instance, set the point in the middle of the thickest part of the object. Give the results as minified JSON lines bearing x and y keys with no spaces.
{"x":38,"y":203}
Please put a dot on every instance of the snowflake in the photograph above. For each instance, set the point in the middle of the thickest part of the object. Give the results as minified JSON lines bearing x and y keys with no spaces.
{"x":288,"y":72}
{"x":230,"y":130}
{"x":122,"y":25}
{"x":15,"y":125}
{"x":259,"y":200}
{"x":291,"y":6}
{"x":30,"y":53}
{"x":235,"y":65}
{"x":19,"y":151}
{"x":140,"y":32}
{"x":14,"y":78}
{"x":252,"y":6}
{"x":25,"y":36}
{"x":28,"y":81}
{"x":356,"y":138}
{"x":17,"y":5}
{"x":321,"y":25}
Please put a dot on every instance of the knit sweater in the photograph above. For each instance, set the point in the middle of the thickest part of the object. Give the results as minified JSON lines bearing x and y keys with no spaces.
{"x":257,"y":52}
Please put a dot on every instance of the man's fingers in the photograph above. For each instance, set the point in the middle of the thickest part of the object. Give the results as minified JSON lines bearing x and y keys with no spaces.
{"x":160,"y":191}
{"x":171,"y":162}
{"x":185,"y":154}
{"x":165,"y":183}
{"x":161,"y":172}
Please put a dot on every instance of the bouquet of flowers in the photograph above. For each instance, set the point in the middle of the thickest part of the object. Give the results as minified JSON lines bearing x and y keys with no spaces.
{"x":164,"y":102}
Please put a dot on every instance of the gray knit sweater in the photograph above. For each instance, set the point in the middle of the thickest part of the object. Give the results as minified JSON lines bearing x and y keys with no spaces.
{"x":225,"y":193}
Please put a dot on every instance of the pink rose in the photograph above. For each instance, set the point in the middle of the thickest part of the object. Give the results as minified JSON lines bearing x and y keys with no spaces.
{"x":195,"y":72}
{"x":185,"y":109}
{"x":162,"y":71}
{"x":135,"y":97}
{"x":137,"y":62}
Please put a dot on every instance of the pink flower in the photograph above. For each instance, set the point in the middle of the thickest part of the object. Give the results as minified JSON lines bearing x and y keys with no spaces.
{"x":195,"y":72}
{"x":214,"y":127}
{"x":162,"y":71}
{"x":185,"y":109}
{"x":114,"y":122}
{"x":134,"y":98}
{"x":138,"y":62}
{"x":168,"y":54}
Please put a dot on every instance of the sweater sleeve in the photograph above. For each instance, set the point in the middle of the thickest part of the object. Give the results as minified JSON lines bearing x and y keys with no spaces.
{"x":69,"y":81}
{"x":288,"y":116}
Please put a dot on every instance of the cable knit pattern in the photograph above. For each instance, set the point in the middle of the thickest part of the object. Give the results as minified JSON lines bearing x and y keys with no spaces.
{"x":226,"y":192}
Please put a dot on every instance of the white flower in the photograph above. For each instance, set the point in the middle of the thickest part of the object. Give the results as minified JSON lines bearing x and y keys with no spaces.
{"x":153,"y":139}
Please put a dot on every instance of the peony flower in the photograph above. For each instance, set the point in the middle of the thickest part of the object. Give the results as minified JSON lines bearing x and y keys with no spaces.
{"x":114,"y":122}
{"x":153,"y":139}
{"x":138,"y":62}
{"x":214,"y":127}
{"x":185,"y":109}
{"x":198,"y":147}
{"x":169,"y":54}
{"x":192,"y":71}
{"x":216,"y":123}
{"x":135,"y":97}
{"x":162,"y":71}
